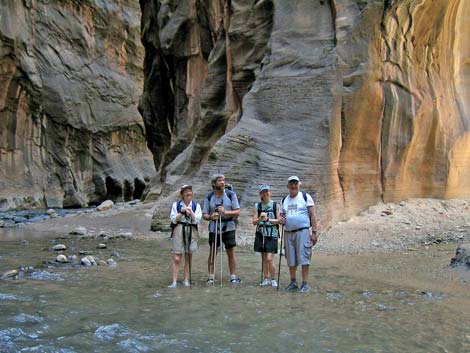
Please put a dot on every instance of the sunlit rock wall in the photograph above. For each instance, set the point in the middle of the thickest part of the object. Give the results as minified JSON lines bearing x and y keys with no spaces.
{"x":70,"y":77}
{"x":366,"y":101}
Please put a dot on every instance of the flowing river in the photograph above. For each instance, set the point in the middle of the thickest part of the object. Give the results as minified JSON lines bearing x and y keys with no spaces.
{"x":406,"y":302}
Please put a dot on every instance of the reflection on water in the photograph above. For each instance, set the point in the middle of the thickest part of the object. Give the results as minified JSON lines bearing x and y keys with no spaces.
{"x":393,"y":303}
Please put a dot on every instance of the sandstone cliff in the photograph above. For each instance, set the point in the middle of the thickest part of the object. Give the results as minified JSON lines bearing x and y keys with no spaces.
{"x":70,"y":78}
{"x":365,"y":100}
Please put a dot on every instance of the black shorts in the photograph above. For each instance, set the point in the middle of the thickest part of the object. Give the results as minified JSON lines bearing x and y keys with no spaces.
{"x":228,"y":238}
{"x":270,"y":244}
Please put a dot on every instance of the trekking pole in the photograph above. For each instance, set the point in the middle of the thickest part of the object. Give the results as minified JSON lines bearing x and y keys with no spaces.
{"x":221,"y":257}
{"x":214,"y":253}
{"x":262,"y":255}
{"x":190,"y":254}
{"x":280,"y":258}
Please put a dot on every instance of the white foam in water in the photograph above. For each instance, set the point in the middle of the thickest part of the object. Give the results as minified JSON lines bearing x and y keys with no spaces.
{"x":24,"y":318}
{"x":14,"y":297}
{"x":45,"y":276}
{"x":109,"y":332}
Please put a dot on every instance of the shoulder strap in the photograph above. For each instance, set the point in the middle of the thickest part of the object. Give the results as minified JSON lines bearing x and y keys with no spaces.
{"x":193,"y":206}
{"x":209,"y":196}
{"x":274,"y":208}
{"x":259,"y":209}
{"x":304,"y":194}
{"x":178,"y":206}
{"x":229,"y":194}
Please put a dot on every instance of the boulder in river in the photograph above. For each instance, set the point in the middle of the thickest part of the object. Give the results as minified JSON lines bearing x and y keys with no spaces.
{"x":86,"y":262}
{"x":111,"y":262}
{"x":105,"y":206}
{"x":61,"y":258}
{"x":101,"y":246}
{"x":462,"y":256}
{"x":9,"y":274}
{"x":59,"y":247}
{"x":79,"y":231}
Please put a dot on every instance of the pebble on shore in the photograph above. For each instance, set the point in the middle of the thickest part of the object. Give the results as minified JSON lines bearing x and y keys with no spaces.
{"x":59,"y":247}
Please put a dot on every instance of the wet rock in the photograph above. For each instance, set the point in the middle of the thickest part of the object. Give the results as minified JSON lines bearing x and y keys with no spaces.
{"x":45,"y":276}
{"x":101,"y":263}
{"x":116,"y":254}
{"x":387,"y":213}
{"x":9,"y":274}
{"x":19,"y":219}
{"x":86,"y":262}
{"x":101,"y":246}
{"x":72,"y":257}
{"x":50,"y":211}
{"x":462,"y":256}
{"x":84,"y":252}
{"x":111,"y":262}
{"x":79,"y":231}
{"x":23,"y":318}
{"x":61,"y":258}
{"x":105,"y":234}
{"x":105,"y":206}
{"x":59,"y":247}
{"x":24,"y":242}
{"x":125,"y":235}
{"x":2,"y":223}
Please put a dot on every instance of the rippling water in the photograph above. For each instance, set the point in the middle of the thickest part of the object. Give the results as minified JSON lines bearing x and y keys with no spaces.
{"x":393,"y":303}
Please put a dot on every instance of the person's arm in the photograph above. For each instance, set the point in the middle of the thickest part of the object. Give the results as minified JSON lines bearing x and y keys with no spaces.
{"x":175,"y":217}
{"x":235,"y":212}
{"x":313,"y":224}
{"x":198,"y":214}
{"x":277,"y":215}
{"x":257,"y":219}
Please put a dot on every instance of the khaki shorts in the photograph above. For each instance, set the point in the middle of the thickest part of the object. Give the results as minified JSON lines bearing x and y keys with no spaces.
{"x":180,"y":245}
{"x":298,"y":246}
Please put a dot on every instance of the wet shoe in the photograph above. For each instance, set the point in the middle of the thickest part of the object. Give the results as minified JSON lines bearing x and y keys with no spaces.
{"x":210,"y":281}
{"x":173,"y":285}
{"x":186,"y":284}
{"x":235,"y":280}
{"x":305,"y":288}
{"x":291,"y":287}
{"x":274,"y":283}
{"x":266,"y":282}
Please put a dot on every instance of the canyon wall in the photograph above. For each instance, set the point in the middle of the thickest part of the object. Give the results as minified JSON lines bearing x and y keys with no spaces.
{"x":365,"y":100}
{"x":70,"y":78}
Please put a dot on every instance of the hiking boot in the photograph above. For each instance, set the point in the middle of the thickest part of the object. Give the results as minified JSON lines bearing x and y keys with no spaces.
{"x":210,"y":281}
{"x":186,"y":284}
{"x":274,"y":283}
{"x":266,"y":282}
{"x":173,"y":285}
{"x":235,"y":280}
{"x":291,"y":287}
{"x":304,"y":288}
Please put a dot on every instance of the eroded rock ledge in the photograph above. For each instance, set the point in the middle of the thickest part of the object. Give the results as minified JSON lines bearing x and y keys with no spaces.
{"x":70,"y":78}
{"x":364,"y":99}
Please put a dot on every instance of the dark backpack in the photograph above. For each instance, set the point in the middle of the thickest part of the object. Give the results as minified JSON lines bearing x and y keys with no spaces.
{"x":178,"y":209}
{"x":274,"y":211}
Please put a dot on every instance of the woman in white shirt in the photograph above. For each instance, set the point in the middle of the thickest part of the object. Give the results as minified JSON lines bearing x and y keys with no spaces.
{"x":185,"y":215}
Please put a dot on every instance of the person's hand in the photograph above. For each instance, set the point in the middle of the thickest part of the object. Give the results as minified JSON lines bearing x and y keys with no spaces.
{"x":314,"y":237}
{"x":263,"y":216}
{"x":282,"y":219}
{"x":186,"y":211}
{"x":214,"y":216}
{"x":221,"y":209}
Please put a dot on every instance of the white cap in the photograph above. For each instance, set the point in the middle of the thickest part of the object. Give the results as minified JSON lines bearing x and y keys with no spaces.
{"x":293,"y":178}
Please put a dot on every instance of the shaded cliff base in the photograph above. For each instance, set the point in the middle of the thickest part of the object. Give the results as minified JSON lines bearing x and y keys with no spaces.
{"x":412,"y":225}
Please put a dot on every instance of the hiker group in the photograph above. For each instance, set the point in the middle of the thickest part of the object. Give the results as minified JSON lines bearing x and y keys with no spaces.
{"x":292,"y":221}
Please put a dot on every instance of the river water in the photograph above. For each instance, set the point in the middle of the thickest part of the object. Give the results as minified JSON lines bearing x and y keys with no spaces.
{"x":403,"y":302}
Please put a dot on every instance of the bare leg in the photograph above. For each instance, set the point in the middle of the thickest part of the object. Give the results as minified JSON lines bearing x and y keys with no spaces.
{"x":176,"y":266}
{"x":305,"y":269}
{"x":210,"y":260}
{"x":292,"y":272}
{"x":265,"y":265}
{"x":271,"y":266}
{"x":187,"y":258}
{"x":232,"y":261}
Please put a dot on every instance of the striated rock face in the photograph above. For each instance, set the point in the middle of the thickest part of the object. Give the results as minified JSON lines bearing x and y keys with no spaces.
{"x":365,"y":100}
{"x":70,"y":78}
